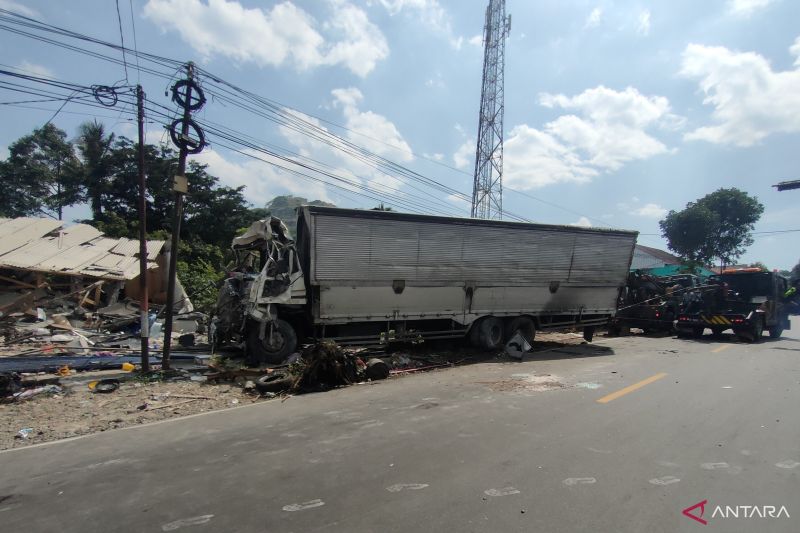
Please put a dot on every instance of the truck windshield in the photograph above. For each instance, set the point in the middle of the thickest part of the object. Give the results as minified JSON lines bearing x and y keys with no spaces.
{"x":750,"y":284}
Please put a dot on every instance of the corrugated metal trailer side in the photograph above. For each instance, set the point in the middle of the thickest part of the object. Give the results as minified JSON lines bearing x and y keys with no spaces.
{"x":377,"y":265}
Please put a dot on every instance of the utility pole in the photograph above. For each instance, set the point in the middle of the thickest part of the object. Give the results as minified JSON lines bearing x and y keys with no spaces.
{"x":189,"y":95}
{"x":487,"y":190}
{"x":143,"y":296}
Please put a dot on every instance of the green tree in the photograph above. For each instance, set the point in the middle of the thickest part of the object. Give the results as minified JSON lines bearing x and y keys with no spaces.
{"x":717,"y":226}
{"x":94,"y":146}
{"x":41,"y":175}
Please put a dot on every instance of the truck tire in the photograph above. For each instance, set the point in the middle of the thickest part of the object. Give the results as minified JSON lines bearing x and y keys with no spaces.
{"x":275,"y":382}
{"x":490,"y":333}
{"x":275,"y":350}
{"x":757,"y":330}
{"x":525,"y":325}
{"x":776,"y":331}
{"x":697,"y":331}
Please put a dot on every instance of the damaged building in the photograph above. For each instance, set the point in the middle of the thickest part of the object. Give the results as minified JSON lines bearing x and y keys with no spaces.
{"x":42,"y":259}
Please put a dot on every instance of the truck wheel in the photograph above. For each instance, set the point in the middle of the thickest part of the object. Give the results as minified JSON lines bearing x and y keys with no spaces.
{"x":275,"y":382}
{"x":524,"y":325}
{"x":757,"y":330}
{"x":490,"y":333}
{"x":776,"y":331}
{"x":698,"y":331}
{"x":272,"y":349}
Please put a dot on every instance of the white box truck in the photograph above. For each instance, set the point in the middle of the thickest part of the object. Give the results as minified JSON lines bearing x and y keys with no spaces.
{"x":362,"y":277}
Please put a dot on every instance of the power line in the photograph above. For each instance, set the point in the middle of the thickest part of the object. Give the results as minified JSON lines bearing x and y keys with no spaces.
{"x":135,"y":44}
{"x":122,"y":41}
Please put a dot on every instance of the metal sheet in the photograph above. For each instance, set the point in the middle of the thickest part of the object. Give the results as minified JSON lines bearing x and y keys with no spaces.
{"x":21,"y":231}
{"x":126,"y":247}
{"x":154,"y":249}
{"x":33,"y":244}
{"x":349,"y":248}
{"x":78,"y":234}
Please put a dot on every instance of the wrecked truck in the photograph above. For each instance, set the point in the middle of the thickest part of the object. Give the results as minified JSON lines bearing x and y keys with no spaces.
{"x":369,"y":277}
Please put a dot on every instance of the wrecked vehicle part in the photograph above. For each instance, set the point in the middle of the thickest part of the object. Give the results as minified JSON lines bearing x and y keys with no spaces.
{"x":327,"y":366}
{"x":377,"y":369}
{"x":274,"y":382}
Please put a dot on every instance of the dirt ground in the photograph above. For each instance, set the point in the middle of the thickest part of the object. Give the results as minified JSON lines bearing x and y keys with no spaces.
{"x":79,"y":411}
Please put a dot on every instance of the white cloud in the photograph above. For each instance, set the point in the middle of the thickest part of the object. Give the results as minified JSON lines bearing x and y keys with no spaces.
{"x":435,"y":156}
{"x":459,"y":200}
{"x":650,"y":211}
{"x":36,"y":70}
{"x":263,"y":181}
{"x":795,"y":51}
{"x":747,"y":7}
{"x":476,"y":40}
{"x":582,"y":222}
{"x":283,"y":35}
{"x":18,"y":8}
{"x":594,"y":18}
{"x":608,"y":130}
{"x":534,"y":158}
{"x":643,"y":24}
{"x":377,"y":133}
{"x":751,"y":101}
{"x":367,"y":129}
{"x":464,"y":157}
{"x":428,"y":12}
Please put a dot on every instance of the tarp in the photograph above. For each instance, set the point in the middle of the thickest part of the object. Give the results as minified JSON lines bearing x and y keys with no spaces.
{"x":672,"y":270}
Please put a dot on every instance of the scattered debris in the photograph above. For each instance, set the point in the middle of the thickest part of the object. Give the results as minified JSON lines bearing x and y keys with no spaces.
{"x":377,"y":369}
{"x":517,"y":346}
{"x":105,"y":385}
{"x":23,"y":433}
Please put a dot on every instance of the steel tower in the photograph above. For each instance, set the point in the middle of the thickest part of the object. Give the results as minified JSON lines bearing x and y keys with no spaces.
{"x":487,"y":190}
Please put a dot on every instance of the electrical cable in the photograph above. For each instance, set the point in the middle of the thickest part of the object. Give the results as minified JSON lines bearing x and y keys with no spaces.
{"x":122,"y":42}
{"x":135,"y":44}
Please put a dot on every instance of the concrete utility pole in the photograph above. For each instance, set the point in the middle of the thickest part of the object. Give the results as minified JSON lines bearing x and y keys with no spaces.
{"x":143,"y":296}
{"x":191,"y":99}
{"x":487,"y":190}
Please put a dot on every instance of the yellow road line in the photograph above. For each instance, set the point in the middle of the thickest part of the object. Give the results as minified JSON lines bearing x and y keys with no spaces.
{"x":631,"y":388}
{"x":720,"y":348}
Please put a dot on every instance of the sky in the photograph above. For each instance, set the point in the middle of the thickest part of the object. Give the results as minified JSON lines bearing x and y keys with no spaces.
{"x":615,"y":112}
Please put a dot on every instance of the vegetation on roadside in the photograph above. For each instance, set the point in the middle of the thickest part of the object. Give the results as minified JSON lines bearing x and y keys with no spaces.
{"x":716,"y":228}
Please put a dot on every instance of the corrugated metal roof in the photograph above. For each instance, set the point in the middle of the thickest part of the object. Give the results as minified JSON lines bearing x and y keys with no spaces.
{"x":153,"y":249}
{"x":20,"y":231}
{"x":126,"y":247}
{"x":40,"y":245}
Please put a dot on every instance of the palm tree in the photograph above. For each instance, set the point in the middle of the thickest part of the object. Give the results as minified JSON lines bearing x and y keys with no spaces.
{"x":94,"y":146}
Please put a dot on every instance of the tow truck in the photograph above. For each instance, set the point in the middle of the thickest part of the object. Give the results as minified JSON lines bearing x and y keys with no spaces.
{"x":746,"y":300}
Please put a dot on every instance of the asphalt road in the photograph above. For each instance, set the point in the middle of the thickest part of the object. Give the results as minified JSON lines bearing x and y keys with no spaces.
{"x":621,"y":435}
